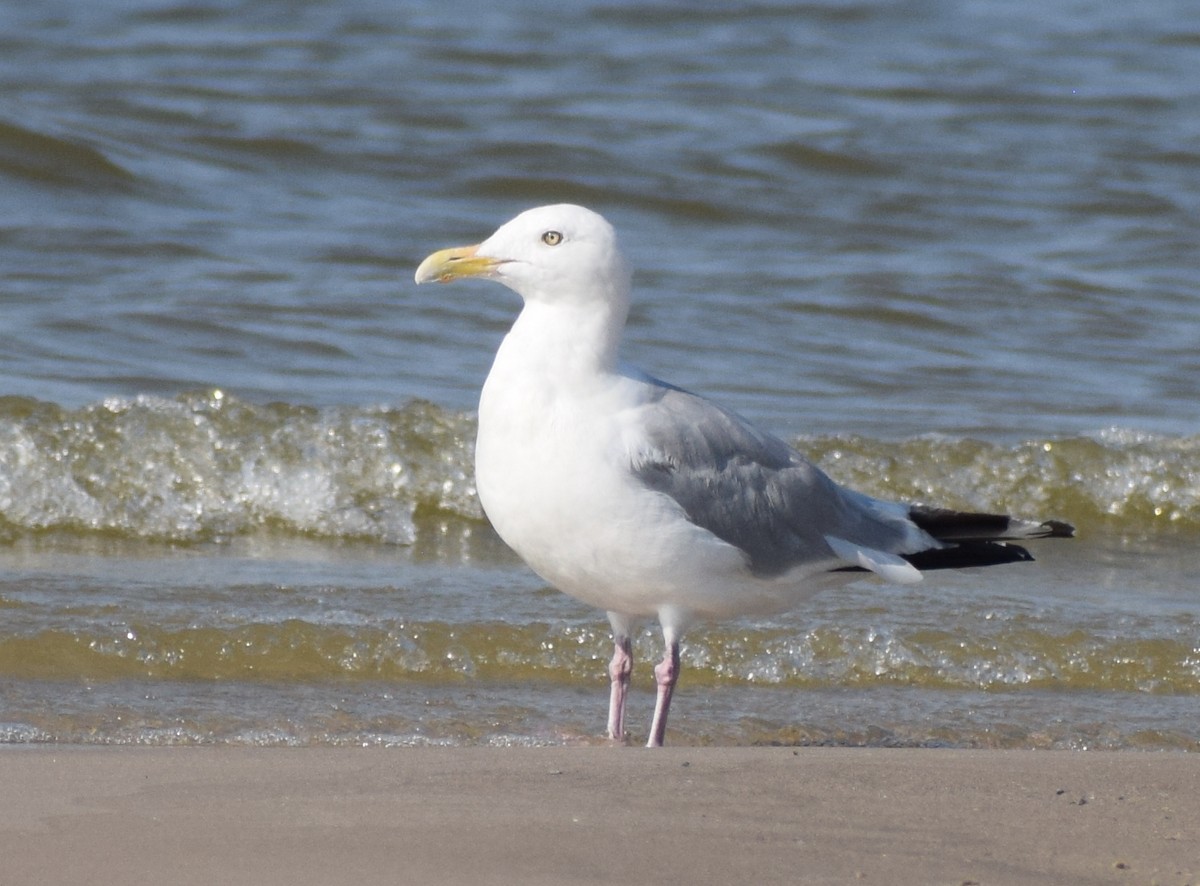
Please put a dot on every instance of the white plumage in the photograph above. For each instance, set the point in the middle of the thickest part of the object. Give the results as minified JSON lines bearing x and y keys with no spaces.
{"x":648,"y":501}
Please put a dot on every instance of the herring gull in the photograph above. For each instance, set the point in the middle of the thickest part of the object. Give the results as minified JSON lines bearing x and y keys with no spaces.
{"x":648,"y":501}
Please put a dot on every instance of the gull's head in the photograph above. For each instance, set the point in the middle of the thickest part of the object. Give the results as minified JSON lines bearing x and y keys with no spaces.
{"x":553,"y":254}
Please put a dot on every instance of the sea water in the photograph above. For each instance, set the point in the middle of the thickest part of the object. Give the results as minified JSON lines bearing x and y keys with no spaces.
{"x":949,"y":251}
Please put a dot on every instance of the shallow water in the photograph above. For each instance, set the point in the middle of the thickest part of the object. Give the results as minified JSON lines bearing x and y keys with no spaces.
{"x":949,"y":251}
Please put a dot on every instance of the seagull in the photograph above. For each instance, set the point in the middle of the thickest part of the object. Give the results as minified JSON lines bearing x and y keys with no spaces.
{"x":648,"y":501}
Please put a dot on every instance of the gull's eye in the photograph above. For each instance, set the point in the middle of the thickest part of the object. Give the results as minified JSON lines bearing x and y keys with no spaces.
{"x":552,"y":238}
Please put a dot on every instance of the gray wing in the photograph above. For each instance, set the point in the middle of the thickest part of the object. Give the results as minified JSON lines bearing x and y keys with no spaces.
{"x":755,"y":492}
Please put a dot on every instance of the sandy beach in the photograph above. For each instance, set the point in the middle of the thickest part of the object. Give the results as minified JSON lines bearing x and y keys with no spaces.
{"x":597,"y":815}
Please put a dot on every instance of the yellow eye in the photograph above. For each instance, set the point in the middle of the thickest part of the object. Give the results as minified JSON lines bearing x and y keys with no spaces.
{"x":552,"y":238}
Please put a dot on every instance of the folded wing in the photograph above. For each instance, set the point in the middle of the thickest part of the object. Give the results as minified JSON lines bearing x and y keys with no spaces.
{"x":755,"y":492}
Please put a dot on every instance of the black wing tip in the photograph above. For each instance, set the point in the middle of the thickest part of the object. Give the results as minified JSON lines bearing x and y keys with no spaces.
{"x":945,"y":524}
{"x":963,"y":555}
{"x":968,"y":555}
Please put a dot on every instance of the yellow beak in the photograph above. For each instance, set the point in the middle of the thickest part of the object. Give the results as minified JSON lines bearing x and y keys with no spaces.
{"x":452,"y":264}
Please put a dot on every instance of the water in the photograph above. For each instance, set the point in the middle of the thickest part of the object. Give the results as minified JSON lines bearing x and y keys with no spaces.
{"x":947,"y":249}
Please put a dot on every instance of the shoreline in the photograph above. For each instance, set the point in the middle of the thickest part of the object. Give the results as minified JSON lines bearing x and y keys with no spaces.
{"x":597,"y":815}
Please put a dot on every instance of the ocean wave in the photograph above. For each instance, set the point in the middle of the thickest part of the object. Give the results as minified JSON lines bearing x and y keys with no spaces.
{"x":204,"y":467}
{"x":1118,"y":479}
{"x":207,"y":466}
{"x":42,"y":158}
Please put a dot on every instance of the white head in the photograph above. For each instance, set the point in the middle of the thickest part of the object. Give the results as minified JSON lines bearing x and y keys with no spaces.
{"x":552,"y":255}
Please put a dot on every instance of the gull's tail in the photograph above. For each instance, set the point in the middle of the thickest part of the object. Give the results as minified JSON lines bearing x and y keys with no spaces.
{"x":977,"y":539}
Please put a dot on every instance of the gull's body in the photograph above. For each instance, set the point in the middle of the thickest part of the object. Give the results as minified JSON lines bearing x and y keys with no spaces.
{"x":648,"y":501}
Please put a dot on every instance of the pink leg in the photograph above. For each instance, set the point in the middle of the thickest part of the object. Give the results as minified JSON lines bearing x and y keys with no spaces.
{"x":666,"y":673}
{"x":619,"y":670}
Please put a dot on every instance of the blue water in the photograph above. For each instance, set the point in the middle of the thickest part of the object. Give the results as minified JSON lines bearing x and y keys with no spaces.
{"x":961,"y":227}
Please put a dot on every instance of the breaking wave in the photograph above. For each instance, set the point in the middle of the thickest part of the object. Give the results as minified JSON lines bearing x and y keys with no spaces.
{"x":206,"y":466}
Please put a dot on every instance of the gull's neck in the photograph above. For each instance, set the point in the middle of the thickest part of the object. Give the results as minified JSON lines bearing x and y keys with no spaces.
{"x":563,"y":342}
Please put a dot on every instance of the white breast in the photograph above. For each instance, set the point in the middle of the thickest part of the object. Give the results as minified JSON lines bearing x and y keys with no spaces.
{"x":553,"y":474}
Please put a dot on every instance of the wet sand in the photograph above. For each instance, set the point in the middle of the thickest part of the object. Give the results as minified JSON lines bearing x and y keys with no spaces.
{"x":596,"y":815}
